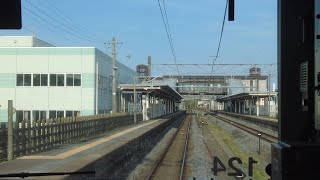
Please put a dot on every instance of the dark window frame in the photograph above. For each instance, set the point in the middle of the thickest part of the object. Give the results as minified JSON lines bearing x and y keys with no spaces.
{"x":19,"y":77}
{"x":42,"y":82}
{"x":53,"y":79}
{"x":25,"y":79}
{"x":33,"y":80}
{"x":69,"y":80}
{"x":60,"y":81}
{"x":76,"y":80}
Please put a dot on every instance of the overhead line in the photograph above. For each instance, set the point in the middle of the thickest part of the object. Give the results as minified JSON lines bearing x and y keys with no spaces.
{"x":53,"y":24}
{"x":66,"y":18}
{"x":86,"y":37}
{"x":168,"y":25}
{"x":168,"y":36}
{"x":221,"y":33}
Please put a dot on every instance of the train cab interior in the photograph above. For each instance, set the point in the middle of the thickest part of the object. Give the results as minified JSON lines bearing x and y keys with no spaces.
{"x":297,"y":154}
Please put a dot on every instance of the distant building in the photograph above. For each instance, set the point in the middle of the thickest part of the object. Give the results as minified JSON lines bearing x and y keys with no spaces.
{"x":45,"y":81}
{"x":205,"y":89}
{"x":142,"y":70}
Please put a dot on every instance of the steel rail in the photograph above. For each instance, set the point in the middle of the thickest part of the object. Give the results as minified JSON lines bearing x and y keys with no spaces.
{"x":164,"y":152}
{"x":265,"y":136}
{"x":185,"y":150}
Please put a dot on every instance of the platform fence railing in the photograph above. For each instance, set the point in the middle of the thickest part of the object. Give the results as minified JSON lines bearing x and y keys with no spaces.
{"x":45,"y":134}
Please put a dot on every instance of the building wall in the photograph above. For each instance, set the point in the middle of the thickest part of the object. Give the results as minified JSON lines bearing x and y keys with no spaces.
{"x":22,"y":41}
{"x":40,"y":60}
{"x":29,"y":55}
{"x":124,"y":76}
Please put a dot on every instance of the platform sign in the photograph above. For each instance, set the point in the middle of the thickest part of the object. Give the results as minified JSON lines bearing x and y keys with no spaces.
{"x":10,"y":14}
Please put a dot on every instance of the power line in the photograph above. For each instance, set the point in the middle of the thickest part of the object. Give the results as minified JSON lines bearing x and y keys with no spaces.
{"x":168,"y":34}
{"x":221,"y":33}
{"x":84,"y":37}
{"x":56,"y":26}
{"x":168,"y":25}
{"x":219,"y":44}
{"x":66,"y":18}
{"x":48,"y":27}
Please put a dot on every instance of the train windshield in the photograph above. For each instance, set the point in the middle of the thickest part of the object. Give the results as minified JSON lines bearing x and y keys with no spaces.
{"x":139,"y":89}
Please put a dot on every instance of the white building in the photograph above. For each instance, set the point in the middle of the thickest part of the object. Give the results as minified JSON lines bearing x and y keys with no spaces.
{"x":47,"y":82}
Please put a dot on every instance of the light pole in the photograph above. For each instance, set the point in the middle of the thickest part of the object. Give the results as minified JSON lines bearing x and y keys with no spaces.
{"x":259,"y":135}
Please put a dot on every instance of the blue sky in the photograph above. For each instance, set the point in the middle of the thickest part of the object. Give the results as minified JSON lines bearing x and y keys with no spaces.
{"x":195,"y":27}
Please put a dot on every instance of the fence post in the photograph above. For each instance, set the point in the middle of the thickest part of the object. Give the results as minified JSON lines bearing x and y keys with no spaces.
{"x":3,"y":143}
{"x":29,"y":140}
{"x":23,"y":137}
{"x":10,"y":131}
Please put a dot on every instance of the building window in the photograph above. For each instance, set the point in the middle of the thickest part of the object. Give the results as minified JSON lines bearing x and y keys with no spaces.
{"x":56,"y":79}
{"x":53,"y":80}
{"x":43,"y":114}
{"x":69,"y":79}
{"x":52,"y":114}
{"x":27,"y":80}
{"x":36,"y":79}
{"x":60,"y":79}
{"x":60,"y":114}
{"x":26,"y":115}
{"x":69,"y":113}
{"x":19,"y":79}
{"x":72,"y":113}
{"x":36,"y":115}
{"x":44,"y":79}
{"x":73,"y":79}
{"x":76,"y":113}
{"x":77,"y":79}
{"x":19,"y":116}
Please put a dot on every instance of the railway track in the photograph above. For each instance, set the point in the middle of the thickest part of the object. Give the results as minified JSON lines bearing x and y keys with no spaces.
{"x":265,"y":136}
{"x":171,"y":163}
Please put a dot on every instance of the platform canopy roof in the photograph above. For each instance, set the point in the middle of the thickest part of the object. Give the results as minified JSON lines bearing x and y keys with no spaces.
{"x":246,"y":95}
{"x":161,"y":90}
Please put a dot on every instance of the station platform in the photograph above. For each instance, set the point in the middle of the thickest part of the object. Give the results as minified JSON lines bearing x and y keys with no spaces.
{"x":249,"y":116}
{"x":258,"y":120}
{"x":73,"y":157}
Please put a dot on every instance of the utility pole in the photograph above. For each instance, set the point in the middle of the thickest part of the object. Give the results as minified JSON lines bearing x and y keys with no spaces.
{"x":269,"y":87}
{"x":10,"y":131}
{"x":114,"y":76}
{"x":149,"y":67}
{"x":134,"y":101}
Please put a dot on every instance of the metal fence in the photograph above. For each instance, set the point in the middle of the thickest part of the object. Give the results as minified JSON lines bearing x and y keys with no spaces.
{"x":31,"y":137}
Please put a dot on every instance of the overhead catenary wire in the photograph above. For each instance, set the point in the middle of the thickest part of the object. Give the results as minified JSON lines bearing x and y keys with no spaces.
{"x":220,"y":38}
{"x":166,"y":25}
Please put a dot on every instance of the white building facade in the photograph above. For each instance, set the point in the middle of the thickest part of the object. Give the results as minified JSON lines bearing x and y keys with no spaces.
{"x":48,"y":82}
